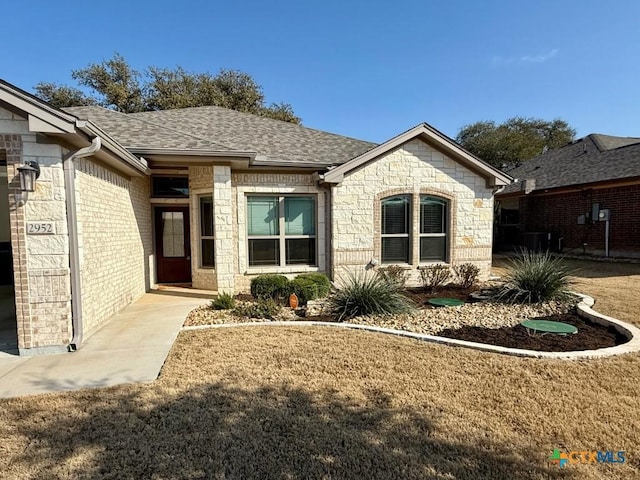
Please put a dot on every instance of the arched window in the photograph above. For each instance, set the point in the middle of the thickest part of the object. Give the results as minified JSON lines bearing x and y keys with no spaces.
{"x":433,"y":228}
{"x":396,"y":225}
{"x":402,"y":227}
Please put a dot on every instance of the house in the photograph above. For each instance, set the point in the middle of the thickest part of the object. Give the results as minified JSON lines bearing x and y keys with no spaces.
{"x":213,"y":197}
{"x":580,"y":198}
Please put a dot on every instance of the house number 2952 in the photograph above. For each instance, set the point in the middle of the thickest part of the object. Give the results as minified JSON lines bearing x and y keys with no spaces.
{"x":40,"y":228}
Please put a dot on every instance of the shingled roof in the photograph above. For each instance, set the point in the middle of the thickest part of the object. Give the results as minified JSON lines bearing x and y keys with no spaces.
{"x":224,"y":130}
{"x":594,"y":158}
{"x":134,"y":133}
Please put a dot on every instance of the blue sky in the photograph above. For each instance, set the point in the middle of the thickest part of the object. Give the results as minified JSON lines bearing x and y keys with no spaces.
{"x":366,"y":69}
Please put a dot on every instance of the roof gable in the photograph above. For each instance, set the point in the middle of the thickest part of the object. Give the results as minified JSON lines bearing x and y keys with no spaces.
{"x":42,"y":117}
{"x":46,"y":119}
{"x":433,"y":137}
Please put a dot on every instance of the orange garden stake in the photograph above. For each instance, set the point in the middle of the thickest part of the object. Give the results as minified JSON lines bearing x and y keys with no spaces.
{"x":293,"y":301}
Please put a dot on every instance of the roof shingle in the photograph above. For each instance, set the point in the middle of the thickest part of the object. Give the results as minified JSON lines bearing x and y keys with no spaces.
{"x":594,"y":158}
{"x":221,"y":129}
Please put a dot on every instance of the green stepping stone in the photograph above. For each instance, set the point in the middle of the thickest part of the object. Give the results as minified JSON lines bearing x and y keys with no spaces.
{"x":549,"y":326}
{"x":445,"y":302}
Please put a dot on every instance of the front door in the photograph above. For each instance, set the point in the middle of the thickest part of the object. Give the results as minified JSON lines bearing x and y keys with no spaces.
{"x":173,"y":251}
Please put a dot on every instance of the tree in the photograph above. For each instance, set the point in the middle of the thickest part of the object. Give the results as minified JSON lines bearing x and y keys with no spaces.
{"x":61,"y":96}
{"x":116,"y":85}
{"x":516,"y":140}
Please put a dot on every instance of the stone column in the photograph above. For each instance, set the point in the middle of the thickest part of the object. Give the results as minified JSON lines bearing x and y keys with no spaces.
{"x":223,"y":228}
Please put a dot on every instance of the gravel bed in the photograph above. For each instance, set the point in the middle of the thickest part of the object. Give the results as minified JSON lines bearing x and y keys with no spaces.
{"x":427,"y":321}
{"x":489,"y":315}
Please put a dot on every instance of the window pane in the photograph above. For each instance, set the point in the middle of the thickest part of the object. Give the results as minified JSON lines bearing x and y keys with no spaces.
{"x":301,"y":251}
{"x":395,"y":250}
{"x":299,"y":215}
{"x":395,"y":214}
{"x":264,"y":252}
{"x":206,"y":216}
{"x":177,"y":187}
{"x":432,"y":215}
{"x":207,"y":252}
{"x":172,"y":234}
{"x":262,"y":215}
{"x":433,"y":249}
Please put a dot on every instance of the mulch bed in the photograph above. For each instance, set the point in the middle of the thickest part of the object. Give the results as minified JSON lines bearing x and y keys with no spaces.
{"x":590,"y":336}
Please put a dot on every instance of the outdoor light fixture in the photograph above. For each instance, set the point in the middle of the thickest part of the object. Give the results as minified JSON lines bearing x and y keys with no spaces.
{"x":28,"y":172}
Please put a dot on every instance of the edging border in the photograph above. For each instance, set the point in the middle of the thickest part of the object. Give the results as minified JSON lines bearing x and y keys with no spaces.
{"x":583,"y":308}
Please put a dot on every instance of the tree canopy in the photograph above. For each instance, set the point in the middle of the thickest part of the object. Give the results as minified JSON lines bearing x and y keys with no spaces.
{"x":114,"y":84}
{"x":516,"y":140}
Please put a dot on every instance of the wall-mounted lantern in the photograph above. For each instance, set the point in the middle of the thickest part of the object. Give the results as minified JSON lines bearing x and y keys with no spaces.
{"x":29,"y":172}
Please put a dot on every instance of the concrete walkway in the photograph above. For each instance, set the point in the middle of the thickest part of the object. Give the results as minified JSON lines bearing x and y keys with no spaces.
{"x":131,"y":348}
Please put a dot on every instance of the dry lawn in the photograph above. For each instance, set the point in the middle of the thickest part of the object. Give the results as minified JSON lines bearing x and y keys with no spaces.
{"x":615,"y":286}
{"x":293,"y":403}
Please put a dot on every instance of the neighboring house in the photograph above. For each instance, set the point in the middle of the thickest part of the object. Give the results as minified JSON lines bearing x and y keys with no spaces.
{"x":213,"y":197}
{"x":562,"y":199}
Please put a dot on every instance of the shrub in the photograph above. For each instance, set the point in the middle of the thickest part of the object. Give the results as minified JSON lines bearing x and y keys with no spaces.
{"x":535,"y":277}
{"x":434,"y":276}
{"x":224,"y":301}
{"x":321,"y":281}
{"x":270,"y":286}
{"x":368,"y":295}
{"x":393,"y":274}
{"x":467,"y":274}
{"x":304,"y":288}
{"x":263,"y":308}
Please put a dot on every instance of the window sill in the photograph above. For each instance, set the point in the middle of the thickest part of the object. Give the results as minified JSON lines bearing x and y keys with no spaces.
{"x":287,"y":269}
{"x":433,"y":262}
{"x":404,"y":266}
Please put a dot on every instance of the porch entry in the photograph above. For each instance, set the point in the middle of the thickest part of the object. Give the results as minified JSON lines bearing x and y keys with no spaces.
{"x":8,"y":322}
{"x":173,"y":244}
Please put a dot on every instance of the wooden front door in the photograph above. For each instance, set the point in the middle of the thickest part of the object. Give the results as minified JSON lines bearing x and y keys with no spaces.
{"x":173,"y":245}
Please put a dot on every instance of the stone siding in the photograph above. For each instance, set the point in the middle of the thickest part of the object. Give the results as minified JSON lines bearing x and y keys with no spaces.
{"x":114,"y":227}
{"x":200,"y":184}
{"x":414,"y":168}
{"x":40,"y":262}
{"x":272,"y":184}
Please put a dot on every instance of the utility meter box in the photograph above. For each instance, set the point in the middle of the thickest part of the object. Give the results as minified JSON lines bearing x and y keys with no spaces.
{"x":603,"y":215}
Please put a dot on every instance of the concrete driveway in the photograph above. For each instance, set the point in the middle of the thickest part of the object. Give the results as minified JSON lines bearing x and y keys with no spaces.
{"x":131,"y":348}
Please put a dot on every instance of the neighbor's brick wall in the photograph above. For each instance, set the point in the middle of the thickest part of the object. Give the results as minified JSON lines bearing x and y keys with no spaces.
{"x":40,"y":263}
{"x":414,"y":168}
{"x":114,"y":225}
{"x":558,"y":214}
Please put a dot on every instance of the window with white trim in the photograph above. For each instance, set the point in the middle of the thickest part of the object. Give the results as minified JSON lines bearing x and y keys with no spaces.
{"x":400,"y":228}
{"x":281,"y":230}
{"x":207,"y":239}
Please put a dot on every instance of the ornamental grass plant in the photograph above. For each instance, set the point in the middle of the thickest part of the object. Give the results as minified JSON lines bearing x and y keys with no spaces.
{"x":534,"y":277}
{"x":368,"y":295}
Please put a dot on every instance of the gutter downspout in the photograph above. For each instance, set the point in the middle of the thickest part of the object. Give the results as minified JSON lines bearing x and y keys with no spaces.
{"x":74,"y":250}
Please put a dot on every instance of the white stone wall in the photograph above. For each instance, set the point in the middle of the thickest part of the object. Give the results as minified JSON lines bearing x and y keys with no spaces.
{"x":272,"y":184}
{"x":41,"y":262}
{"x":223,"y":228}
{"x":114,"y":225}
{"x":414,"y":168}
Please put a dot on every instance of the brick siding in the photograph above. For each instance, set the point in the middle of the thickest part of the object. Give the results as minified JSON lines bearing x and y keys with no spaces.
{"x":558,"y":214}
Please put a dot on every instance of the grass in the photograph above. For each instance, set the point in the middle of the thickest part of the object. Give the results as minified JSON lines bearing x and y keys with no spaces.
{"x":259,"y":402}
